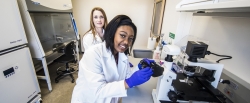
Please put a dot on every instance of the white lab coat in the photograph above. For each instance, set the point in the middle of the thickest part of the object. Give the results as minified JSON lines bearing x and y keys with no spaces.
{"x":89,"y":40}
{"x":99,"y":78}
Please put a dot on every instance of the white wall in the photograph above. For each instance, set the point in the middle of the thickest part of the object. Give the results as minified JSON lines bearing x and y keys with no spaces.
{"x":170,"y":19}
{"x":140,"y":11}
{"x":226,"y":36}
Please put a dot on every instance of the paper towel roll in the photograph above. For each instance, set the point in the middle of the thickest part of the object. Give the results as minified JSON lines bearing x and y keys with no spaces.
{"x":151,"y":43}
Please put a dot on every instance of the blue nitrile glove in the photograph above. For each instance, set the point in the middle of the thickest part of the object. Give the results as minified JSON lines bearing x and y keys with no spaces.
{"x":130,"y":64}
{"x":148,"y":61}
{"x":139,"y":77}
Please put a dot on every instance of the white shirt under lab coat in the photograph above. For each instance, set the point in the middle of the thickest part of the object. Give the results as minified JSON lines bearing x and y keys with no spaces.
{"x":89,"y":40}
{"x":99,"y":78}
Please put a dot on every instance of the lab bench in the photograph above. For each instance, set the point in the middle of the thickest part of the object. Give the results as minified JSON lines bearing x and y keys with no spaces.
{"x":143,"y":92}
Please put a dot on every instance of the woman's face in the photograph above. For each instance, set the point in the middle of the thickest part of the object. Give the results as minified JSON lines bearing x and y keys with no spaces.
{"x":123,"y":38}
{"x":98,"y":19}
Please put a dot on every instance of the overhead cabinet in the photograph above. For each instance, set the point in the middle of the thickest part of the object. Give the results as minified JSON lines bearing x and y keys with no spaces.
{"x":214,"y":5}
{"x":187,"y":3}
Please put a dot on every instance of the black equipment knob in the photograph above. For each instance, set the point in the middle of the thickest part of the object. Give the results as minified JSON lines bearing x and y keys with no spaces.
{"x":144,"y":64}
{"x":172,"y":96}
{"x":157,"y":70}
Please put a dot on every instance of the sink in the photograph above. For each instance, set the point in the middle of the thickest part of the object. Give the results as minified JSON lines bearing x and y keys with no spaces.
{"x":139,"y":53}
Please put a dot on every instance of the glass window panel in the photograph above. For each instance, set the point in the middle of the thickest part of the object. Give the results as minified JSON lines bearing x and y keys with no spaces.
{"x":53,"y":28}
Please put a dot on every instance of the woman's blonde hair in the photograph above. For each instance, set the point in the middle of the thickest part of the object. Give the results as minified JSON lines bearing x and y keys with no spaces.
{"x":92,"y":25}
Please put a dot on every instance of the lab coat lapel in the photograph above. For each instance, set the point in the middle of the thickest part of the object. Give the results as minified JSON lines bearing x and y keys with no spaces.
{"x":109,"y":63}
{"x":122,"y":64}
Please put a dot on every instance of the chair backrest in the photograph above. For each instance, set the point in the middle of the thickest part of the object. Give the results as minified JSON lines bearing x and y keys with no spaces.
{"x":70,"y":49}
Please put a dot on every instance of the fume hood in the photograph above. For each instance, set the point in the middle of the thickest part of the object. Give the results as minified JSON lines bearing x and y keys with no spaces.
{"x":47,"y":23}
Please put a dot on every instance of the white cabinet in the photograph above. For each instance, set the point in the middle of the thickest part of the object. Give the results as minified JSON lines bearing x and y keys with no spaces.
{"x":214,"y":5}
{"x":11,"y":35}
{"x":225,"y":0}
{"x":187,"y":3}
{"x":194,"y":1}
{"x":18,"y":82}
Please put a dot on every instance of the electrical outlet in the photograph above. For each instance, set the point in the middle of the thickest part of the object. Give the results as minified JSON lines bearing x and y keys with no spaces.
{"x":233,"y":85}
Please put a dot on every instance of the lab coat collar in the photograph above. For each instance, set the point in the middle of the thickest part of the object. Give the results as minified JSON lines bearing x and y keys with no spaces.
{"x":108,"y":53}
{"x":110,"y":62}
{"x":97,"y":35}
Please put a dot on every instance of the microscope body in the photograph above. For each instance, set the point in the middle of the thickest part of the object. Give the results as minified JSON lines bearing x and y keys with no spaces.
{"x":168,"y":85}
{"x":164,"y":83}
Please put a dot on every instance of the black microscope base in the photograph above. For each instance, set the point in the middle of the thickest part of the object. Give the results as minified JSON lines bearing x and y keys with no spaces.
{"x":193,"y":91}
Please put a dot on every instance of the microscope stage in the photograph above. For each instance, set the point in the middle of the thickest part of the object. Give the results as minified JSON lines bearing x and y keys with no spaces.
{"x":191,"y":91}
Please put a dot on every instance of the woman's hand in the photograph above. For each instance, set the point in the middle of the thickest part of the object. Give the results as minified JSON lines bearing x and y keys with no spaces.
{"x":139,"y":77}
{"x":145,"y":63}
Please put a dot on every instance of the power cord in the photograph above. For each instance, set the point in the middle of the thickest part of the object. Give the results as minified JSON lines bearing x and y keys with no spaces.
{"x":227,"y":57}
{"x":224,"y":81}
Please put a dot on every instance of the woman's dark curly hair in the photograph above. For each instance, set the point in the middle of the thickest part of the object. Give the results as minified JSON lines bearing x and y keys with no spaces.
{"x":116,"y":22}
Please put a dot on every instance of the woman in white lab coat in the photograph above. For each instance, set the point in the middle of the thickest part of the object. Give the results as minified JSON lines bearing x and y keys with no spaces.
{"x":98,"y":22}
{"x":104,"y":70}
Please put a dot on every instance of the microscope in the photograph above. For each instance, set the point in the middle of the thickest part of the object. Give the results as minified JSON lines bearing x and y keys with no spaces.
{"x":188,"y":78}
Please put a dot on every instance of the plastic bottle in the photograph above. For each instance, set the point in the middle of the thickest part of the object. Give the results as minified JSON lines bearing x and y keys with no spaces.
{"x":157,"y":54}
